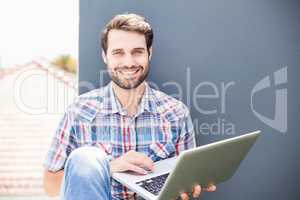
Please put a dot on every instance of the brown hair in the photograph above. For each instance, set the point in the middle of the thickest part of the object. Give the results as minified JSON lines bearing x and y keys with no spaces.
{"x":128,"y":22}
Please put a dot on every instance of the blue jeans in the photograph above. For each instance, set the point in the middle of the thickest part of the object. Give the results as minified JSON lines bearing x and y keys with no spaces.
{"x":86,"y":175}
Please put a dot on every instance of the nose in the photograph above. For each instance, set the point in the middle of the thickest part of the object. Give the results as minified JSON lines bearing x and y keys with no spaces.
{"x":128,"y":61}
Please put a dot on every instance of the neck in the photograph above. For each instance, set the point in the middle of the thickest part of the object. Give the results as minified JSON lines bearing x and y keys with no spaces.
{"x":129,"y":98}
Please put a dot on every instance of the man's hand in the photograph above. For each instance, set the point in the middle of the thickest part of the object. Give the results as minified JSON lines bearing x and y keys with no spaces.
{"x":132,"y":161}
{"x":197,"y":191}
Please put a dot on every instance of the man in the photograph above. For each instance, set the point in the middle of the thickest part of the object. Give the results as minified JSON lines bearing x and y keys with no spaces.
{"x":124,"y":126}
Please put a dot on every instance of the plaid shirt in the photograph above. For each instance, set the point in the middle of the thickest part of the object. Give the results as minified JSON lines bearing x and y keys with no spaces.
{"x":161,"y":128}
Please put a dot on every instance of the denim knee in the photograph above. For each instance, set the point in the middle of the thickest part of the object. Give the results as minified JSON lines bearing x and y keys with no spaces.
{"x":86,"y":175}
{"x":85,"y":162}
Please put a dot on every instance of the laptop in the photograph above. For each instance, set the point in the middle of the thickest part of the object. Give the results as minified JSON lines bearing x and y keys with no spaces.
{"x":208,"y":164}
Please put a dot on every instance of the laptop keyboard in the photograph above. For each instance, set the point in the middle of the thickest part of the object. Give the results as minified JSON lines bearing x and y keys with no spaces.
{"x":154,"y":184}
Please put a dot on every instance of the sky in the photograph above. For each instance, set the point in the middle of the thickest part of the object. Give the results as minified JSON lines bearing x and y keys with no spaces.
{"x":33,"y":28}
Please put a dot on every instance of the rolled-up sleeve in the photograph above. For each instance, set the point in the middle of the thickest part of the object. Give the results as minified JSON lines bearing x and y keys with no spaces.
{"x":186,"y":138}
{"x":62,"y":144}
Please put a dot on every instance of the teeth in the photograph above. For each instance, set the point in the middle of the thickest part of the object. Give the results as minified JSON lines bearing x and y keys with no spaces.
{"x":129,"y":72}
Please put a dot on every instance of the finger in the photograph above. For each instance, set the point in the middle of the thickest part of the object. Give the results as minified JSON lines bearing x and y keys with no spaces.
{"x":134,"y":168}
{"x":141,"y":160}
{"x":196,"y":191}
{"x":146,"y":165}
{"x":210,"y":188}
{"x":145,"y":161}
{"x":184,"y":196}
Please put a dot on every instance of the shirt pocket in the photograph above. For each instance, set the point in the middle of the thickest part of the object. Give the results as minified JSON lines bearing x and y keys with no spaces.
{"x":97,"y":136}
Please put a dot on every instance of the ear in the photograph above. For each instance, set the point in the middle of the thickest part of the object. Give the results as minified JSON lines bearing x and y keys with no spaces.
{"x":150,"y":53}
{"x":104,"y":57}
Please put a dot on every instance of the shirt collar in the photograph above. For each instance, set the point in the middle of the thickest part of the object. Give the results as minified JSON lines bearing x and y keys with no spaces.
{"x":104,"y":102}
{"x":111,"y":104}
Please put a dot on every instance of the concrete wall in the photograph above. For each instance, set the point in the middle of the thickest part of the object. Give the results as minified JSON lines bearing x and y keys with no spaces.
{"x":237,"y":65}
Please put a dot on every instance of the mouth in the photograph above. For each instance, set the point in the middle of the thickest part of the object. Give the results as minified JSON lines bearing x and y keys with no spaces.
{"x":129,"y":73}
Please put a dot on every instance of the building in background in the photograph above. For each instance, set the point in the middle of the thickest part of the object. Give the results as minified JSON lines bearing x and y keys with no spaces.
{"x":34,"y":97}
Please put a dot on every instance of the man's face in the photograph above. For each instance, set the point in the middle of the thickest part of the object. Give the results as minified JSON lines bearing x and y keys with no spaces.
{"x":127,"y":58}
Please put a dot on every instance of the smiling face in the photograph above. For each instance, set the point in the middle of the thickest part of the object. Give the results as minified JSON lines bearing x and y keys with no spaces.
{"x":127,"y":58}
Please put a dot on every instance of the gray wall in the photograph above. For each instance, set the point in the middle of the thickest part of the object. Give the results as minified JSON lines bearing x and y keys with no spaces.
{"x":236,"y":43}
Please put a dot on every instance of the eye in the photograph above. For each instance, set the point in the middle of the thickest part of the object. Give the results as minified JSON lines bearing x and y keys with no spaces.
{"x":138,"y":52}
{"x":118,"y":53}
